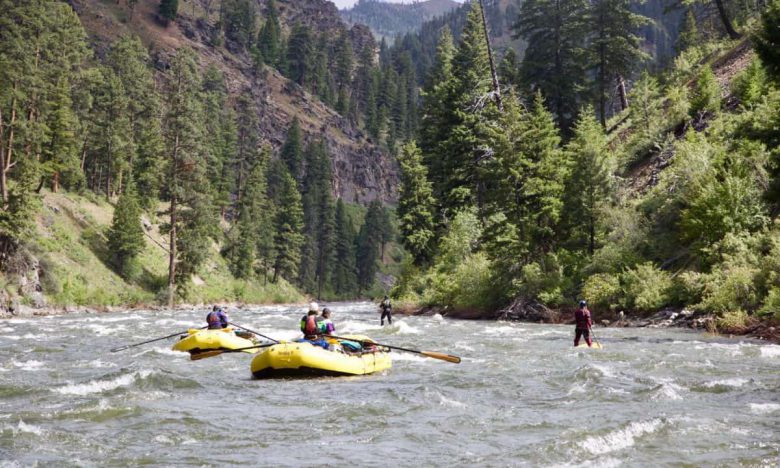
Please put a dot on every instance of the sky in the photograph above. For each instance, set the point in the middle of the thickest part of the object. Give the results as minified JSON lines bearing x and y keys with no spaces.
{"x":349,"y":3}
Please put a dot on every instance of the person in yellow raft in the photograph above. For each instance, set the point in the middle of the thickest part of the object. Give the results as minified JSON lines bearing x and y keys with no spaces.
{"x":312,"y":327}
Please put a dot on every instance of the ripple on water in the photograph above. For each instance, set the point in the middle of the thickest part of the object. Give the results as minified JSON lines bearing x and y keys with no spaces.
{"x":103,"y":385}
{"x":764,"y":408}
{"x":622,"y":438}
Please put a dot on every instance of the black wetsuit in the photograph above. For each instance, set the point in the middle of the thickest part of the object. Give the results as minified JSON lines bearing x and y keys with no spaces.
{"x":387,"y":310}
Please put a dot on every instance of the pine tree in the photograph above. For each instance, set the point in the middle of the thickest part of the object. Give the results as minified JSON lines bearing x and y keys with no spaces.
{"x":269,"y":38}
{"x":292,"y":151}
{"x":238,"y":19}
{"x":168,"y":10}
{"x":368,"y":242}
{"x":60,"y":153}
{"x":247,"y":142}
{"x":221,"y":146}
{"x":126,"y":235}
{"x":590,"y":183}
{"x":191,"y":215}
{"x":130,"y":61}
{"x":708,"y":94}
{"x":300,"y":56}
{"x":509,"y":69}
{"x":615,"y":48}
{"x":288,"y":221}
{"x":416,"y":205}
{"x":344,"y":268}
{"x":767,"y":41}
{"x":689,"y":32}
{"x":555,"y":60}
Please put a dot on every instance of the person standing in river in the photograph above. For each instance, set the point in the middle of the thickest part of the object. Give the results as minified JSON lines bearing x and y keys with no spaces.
{"x":582,"y":324}
{"x":387,"y":311}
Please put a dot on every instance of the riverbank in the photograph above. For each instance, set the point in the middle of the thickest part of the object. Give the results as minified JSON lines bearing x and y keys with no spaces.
{"x":534,"y":312}
{"x":27,"y":311}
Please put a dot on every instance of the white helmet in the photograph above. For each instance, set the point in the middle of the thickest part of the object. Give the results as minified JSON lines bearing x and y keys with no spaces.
{"x":314,"y":306}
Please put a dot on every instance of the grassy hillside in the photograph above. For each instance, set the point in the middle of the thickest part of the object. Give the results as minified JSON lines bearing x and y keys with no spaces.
{"x":70,"y":251}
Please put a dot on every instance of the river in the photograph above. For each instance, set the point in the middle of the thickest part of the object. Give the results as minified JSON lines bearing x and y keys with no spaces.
{"x":521,"y":397}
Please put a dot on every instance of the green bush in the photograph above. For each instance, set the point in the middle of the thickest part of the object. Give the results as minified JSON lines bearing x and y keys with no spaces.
{"x":751,"y":84}
{"x":602,"y":289}
{"x":688,"y":288}
{"x":730,"y":288}
{"x":471,"y":285}
{"x":646,"y":287}
{"x":733,"y":321}
{"x":707,"y":97}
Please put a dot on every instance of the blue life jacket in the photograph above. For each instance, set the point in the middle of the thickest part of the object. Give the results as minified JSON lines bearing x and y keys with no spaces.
{"x":216,"y":320}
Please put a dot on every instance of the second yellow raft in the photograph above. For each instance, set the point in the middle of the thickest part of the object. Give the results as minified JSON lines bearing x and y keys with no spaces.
{"x":304,"y":359}
{"x":198,"y":341}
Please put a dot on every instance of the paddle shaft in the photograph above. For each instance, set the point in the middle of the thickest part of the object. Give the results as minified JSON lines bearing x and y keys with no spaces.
{"x":122,"y":348}
{"x":252,"y":331}
{"x":432,"y":354}
{"x":217,"y":352}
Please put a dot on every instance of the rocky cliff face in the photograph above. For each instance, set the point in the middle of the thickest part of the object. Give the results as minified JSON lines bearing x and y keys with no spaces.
{"x":362,"y":172}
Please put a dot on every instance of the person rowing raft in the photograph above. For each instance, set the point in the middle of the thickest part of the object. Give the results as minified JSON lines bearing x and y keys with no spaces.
{"x":312,"y":327}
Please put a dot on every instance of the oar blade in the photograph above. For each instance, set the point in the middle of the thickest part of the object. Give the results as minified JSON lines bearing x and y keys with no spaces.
{"x":121,"y":348}
{"x":442,"y":356}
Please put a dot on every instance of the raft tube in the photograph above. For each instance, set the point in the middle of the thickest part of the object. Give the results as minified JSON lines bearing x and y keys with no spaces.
{"x":198,"y":341}
{"x":297,"y":359}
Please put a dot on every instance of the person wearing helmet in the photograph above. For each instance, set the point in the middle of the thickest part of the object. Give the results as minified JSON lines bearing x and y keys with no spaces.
{"x":582,"y":324}
{"x":387,"y":310}
{"x":327,"y":324}
{"x":312,"y":327}
{"x":217,"y":318}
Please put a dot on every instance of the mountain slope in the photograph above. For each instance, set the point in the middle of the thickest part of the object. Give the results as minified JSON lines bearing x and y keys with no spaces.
{"x":362,"y":172}
{"x":388,"y":20}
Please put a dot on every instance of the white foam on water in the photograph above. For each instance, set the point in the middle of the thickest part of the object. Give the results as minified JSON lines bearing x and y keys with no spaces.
{"x":403,"y":328}
{"x":99,"y":386}
{"x":669,"y":391}
{"x":734,"y":382}
{"x":764,"y":408}
{"x":98,"y":364}
{"x":437,"y":317}
{"x":576,"y":389}
{"x":166,"y":351}
{"x":505,"y":330}
{"x":28,"y":428}
{"x":401,"y":356}
{"x":605,"y":370}
{"x":770,"y":351}
{"x":18,"y":321}
{"x":601,"y":462}
{"x":31,"y":365}
{"x":7,"y":329}
{"x":122,"y":318}
{"x":444,"y":401}
{"x":621,"y":438}
{"x":352,"y":326}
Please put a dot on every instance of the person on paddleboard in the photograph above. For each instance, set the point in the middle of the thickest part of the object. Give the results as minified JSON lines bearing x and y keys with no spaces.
{"x":582,"y":324}
{"x":217,"y":318}
{"x":387,"y":310}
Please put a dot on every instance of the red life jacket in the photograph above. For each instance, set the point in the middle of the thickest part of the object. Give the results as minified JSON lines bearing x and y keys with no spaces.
{"x":312,"y":327}
{"x":582,"y":317}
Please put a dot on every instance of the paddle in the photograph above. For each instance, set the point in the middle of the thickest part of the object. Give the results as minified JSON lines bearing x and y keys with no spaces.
{"x":593,"y":337}
{"x":217,"y":352}
{"x":122,"y":348}
{"x":252,"y":331}
{"x":431,"y":354}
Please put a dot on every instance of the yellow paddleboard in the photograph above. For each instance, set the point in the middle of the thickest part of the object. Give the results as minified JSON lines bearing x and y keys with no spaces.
{"x":596,"y":345}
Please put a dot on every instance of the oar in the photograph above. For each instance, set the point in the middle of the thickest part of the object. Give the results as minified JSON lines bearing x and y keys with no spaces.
{"x":122,"y":348}
{"x":252,"y":331}
{"x":593,"y":337}
{"x":217,"y":352}
{"x":431,"y":354}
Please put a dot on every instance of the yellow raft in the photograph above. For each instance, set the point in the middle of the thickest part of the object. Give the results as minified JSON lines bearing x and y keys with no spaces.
{"x":290,"y":359}
{"x":198,"y":341}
